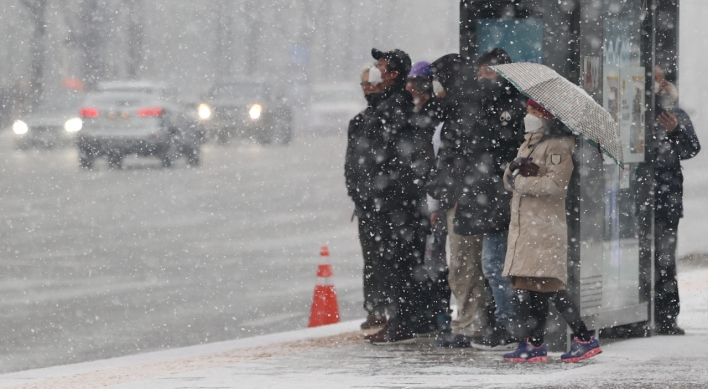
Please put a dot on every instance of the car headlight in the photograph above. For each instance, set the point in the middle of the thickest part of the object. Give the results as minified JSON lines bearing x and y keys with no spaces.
{"x":73,"y":125}
{"x":255,"y":111}
{"x":20,"y":127}
{"x":204,"y":111}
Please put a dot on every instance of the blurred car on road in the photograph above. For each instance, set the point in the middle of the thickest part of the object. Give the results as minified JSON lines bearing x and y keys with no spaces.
{"x":246,"y":108}
{"x":123,"y":118}
{"x":333,"y":105}
{"x":53,"y":122}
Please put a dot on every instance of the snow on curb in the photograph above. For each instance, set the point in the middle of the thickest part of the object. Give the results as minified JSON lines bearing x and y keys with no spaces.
{"x":143,"y":366}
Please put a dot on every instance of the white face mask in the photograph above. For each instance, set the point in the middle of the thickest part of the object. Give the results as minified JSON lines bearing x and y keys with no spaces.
{"x":375,"y":76}
{"x":437,"y":87}
{"x":533,"y":123}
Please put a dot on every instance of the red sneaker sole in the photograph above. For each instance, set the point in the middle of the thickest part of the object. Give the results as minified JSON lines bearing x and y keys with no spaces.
{"x":587,"y":355}
{"x":531,"y":360}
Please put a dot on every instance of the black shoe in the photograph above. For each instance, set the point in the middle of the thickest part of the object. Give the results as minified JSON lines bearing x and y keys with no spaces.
{"x":453,"y":341}
{"x":373,"y":321}
{"x":670,"y":330}
{"x":499,"y":340}
{"x":389,"y":335}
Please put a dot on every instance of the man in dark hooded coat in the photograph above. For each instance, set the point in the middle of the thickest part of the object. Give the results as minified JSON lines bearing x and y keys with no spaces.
{"x":461,"y":111}
{"x":397,"y":176}
{"x":484,"y":207}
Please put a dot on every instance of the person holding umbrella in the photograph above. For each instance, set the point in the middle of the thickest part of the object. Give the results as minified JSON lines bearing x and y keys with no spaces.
{"x":537,"y":249}
{"x":536,"y":259}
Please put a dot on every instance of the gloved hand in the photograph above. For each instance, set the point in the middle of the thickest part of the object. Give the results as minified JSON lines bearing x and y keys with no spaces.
{"x":525,"y":167}
{"x":528,"y":168}
{"x":516,"y":165}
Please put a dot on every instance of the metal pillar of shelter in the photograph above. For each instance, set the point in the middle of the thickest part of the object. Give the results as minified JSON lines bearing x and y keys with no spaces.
{"x":611,"y":49}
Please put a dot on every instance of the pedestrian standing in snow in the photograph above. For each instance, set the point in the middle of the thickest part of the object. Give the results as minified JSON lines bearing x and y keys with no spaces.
{"x":357,"y":154}
{"x":537,"y":252}
{"x":454,"y":166}
{"x":675,"y":140}
{"x":397,"y":175}
{"x":484,"y":205}
{"x":427,"y":120}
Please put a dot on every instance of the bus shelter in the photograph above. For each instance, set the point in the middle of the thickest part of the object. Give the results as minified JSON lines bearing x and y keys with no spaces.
{"x":611,"y":49}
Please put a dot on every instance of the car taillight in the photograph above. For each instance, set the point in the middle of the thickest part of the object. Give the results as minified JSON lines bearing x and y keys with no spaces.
{"x":88,"y":113}
{"x":150,"y":112}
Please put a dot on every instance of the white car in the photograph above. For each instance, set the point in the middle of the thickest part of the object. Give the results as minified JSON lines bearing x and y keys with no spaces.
{"x":332,"y":106}
{"x":53,"y":122}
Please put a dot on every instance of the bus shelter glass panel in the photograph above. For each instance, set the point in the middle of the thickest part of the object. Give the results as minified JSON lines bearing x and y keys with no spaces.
{"x":521,"y":38}
{"x":623,"y":81}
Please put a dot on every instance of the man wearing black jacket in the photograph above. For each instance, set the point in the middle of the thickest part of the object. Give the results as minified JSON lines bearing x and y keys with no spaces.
{"x":484,"y":207}
{"x":426,"y":118}
{"x":396,"y":178}
{"x":355,"y":174}
{"x":675,"y":140}
{"x":461,"y":110}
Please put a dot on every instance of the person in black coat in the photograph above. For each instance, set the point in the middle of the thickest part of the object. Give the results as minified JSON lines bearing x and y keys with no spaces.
{"x":675,"y":140}
{"x":427,"y":119}
{"x":484,"y":207}
{"x":461,"y":111}
{"x":358,"y":152}
{"x":397,"y":175}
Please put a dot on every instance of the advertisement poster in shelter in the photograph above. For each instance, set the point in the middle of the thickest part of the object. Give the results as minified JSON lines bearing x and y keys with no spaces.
{"x":631,"y":113}
{"x":623,"y":98}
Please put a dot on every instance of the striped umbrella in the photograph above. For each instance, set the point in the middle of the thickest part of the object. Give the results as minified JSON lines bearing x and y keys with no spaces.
{"x":567,"y":102}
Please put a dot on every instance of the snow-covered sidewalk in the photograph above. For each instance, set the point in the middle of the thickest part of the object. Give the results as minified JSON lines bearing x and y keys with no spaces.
{"x":337,"y":357}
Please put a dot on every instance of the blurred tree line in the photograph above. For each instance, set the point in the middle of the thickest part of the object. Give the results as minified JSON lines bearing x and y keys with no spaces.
{"x":189,"y":44}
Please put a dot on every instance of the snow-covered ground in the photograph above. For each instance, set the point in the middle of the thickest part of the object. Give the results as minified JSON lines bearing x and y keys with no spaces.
{"x":337,"y":357}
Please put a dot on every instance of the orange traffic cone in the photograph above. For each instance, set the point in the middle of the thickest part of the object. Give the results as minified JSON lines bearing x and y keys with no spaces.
{"x":325,"y":309}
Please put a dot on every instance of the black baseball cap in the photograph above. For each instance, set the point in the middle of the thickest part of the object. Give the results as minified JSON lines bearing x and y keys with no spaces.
{"x":398,"y":60}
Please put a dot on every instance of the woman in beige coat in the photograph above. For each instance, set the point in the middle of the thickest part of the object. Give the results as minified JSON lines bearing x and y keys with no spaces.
{"x":537,"y":249}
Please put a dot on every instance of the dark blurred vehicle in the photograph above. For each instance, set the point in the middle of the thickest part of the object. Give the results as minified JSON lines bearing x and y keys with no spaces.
{"x":333,"y":105}
{"x":124,"y":118}
{"x":250,"y":109}
{"x":53,"y":122}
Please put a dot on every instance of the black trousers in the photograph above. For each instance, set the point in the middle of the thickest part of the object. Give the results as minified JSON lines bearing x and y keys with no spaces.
{"x":370,"y":235}
{"x":532,"y":315}
{"x":402,"y":254}
{"x":436,"y":289}
{"x":666,"y":302}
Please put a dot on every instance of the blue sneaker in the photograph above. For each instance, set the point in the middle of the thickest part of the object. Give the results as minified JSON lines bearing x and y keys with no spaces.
{"x":526,"y":352}
{"x":580,"y":350}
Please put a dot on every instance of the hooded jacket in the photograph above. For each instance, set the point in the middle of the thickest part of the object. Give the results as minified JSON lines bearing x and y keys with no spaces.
{"x":461,"y":110}
{"x":537,"y":247}
{"x":484,"y":204}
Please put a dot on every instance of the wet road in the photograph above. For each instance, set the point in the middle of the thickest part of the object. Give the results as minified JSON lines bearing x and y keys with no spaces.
{"x":103,"y":263}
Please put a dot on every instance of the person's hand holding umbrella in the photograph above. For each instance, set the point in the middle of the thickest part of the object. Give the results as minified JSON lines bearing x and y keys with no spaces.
{"x":523,"y":166}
